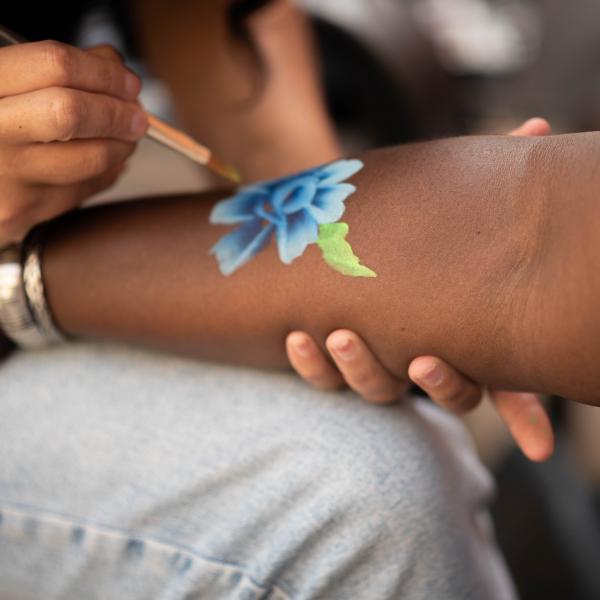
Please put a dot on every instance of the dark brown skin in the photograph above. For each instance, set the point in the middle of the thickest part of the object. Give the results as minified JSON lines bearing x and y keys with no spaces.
{"x":486,"y":249}
{"x":283,"y":129}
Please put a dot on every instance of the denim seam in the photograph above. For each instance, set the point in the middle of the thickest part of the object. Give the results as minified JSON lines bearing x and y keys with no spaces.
{"x":132,"y":543}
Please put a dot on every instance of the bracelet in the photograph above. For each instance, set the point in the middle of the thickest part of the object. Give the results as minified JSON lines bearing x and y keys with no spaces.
{"x":33,"y":283}
{"x":25,"y":317}
{"x":15,"y":318}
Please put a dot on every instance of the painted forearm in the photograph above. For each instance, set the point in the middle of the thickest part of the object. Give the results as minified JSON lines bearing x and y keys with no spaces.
{"x":451,"y":228}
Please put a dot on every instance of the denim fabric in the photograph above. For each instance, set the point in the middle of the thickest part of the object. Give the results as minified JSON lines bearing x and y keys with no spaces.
{"x":130,"y":475}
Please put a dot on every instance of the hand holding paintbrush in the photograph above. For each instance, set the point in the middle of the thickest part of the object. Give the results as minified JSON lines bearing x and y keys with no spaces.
{"x":160,"y":131}
{"x":69,"y":120}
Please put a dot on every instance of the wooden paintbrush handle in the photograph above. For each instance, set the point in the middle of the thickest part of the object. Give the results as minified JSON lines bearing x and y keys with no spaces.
{"x":177,"y":140}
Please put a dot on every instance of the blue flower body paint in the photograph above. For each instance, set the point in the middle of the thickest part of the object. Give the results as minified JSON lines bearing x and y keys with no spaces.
{"x":293,"y":208}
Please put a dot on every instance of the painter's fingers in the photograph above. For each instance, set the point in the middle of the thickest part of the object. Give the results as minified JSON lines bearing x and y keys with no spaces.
{"x":61,"y":199}
{"x":311,"y":363}
{"x":62,"y":114}
{"x":38,"y":203}
{"x":361,"y":370}
{"x":528,"y":423}
{"x":34,"y":66}
{"x":536,"y":127}
{"x":58,"y":163}
{"x":446,"y":386}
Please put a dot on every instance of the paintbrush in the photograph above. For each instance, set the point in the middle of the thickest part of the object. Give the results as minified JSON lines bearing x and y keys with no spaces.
{"x":175,"y":139}
{"x":159,"y":131}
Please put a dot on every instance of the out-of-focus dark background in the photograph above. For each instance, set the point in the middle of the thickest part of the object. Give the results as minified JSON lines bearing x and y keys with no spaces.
{"x":404,"y":70}
{"x":411,"y":69}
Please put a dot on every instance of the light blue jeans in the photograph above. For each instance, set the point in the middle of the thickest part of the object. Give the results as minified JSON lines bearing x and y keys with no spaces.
{"x":129,"y":475}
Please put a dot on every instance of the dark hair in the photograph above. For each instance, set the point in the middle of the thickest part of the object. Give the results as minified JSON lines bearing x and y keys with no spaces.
{"x":51,"y":21}
{"x":238,"y":11}
{"x":46,"y":21}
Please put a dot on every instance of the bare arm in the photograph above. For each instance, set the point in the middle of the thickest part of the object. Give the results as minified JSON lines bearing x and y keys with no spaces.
{"x":268,"y":118}
{"x":466,"y":236}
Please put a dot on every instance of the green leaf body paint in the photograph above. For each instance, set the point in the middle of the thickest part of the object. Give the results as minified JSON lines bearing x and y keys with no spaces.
{"x":298,"y":210}
{"x":338,"y":253}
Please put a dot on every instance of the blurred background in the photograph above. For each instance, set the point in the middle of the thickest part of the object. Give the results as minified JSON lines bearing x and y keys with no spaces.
{"x":398,"y":71}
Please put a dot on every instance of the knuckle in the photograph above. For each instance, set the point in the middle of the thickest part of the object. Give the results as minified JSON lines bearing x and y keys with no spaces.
{"x":60,"y":61}
{"x":111,"y":53}
{"x":113,"y":117}
{"x":68,"y":114}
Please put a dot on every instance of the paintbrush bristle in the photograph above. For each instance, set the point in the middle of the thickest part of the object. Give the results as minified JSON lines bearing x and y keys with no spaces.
{"x":224,"y":170}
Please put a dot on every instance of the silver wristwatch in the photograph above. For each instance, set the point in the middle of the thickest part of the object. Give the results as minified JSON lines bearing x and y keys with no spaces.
{"x":25,"y":317}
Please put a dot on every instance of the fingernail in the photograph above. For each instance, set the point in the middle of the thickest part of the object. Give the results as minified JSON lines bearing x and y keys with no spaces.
{"x":301,"y":346}
{"x":345,"y":348}
{"x":138,"y":125}
{"x":431,"y":377}
{"x":133,"y":85}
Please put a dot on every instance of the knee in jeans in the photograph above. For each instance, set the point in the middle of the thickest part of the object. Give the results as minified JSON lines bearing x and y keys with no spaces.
{"x":385,"y":464}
